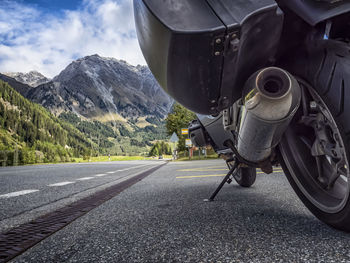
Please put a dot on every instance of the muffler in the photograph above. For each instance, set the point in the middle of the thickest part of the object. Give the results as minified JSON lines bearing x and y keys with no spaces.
{"x":271,"y":97}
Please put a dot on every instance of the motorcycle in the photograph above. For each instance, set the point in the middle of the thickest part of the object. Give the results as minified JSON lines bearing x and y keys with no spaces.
{"x":269,"y":81}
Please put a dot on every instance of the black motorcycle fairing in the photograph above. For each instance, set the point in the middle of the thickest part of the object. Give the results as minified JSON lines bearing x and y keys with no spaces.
{"x":315,"y":11}
{"x":258,"y":25}
{"x":201,"y":52}
{"x":177,"y":40}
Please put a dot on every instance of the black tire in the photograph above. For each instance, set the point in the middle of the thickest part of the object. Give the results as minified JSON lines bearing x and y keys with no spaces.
{"x":245,"y":177}
{"x":325,"y":66}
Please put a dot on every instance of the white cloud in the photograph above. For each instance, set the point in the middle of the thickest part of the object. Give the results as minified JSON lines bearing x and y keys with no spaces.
{"x":32,"y":40}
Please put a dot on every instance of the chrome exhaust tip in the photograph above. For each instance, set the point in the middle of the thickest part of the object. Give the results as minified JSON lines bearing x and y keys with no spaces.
{"x":271,"y":98}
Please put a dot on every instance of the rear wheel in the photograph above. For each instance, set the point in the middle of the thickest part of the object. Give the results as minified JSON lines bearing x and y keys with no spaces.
{"x":314,"y":151}
{"x":245,"y":176}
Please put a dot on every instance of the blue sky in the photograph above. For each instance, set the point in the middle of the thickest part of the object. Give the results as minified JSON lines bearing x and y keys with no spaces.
{"x":46,"y":35}
{"x":53,"y":5}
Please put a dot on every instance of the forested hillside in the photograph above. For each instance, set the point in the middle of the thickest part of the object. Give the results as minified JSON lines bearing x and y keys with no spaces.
{"x":119,"y":138}
{"x":31,"y":134}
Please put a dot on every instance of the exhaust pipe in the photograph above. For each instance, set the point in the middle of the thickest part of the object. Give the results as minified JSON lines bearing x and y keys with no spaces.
{"x":271,"y":98}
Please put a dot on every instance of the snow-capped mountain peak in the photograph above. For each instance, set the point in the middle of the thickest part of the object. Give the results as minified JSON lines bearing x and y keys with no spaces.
{"x":32,"y":78}
{"x":94,"y":86}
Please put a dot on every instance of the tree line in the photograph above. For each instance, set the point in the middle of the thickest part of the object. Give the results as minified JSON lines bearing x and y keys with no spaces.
{"x":31,"y":134}
{"x":178,"y":118}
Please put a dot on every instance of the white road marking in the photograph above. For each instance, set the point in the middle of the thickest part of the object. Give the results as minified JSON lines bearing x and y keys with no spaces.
{"x":85,"y":178}
{"x":61,"y":184}
{"x":134,"y":167}
{"x":126,"y":169}
{"x":13,"y":194}
{"x":24,"y":192}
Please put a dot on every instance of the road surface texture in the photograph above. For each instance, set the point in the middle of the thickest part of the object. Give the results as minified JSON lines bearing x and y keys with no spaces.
{"x":163,"y":217}
{"x":29,"y":191}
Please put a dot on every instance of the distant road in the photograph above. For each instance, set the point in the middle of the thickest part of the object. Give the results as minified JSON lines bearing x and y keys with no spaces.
{"x":163,"y":217}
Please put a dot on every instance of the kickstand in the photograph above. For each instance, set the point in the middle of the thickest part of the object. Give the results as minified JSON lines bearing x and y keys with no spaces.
{"x":226,"y":178}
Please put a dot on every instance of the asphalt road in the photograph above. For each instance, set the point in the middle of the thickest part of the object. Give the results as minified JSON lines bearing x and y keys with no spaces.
{"x":163,"y":218}
{"x":29,"y":191}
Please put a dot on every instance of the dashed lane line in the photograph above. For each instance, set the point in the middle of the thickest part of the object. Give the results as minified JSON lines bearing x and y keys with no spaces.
{"x":199,"y":176}
{"x":61,"y":184}
{"x":18,"y":239}
{"x":200,"y":169}
{"x":214,"y":170}
{"x":85,"y":178}
{"x":213,"y":175}
{"x":126,"y":169}
{"x":13,"y":194}
{"x":122,"y":170}
{"x":24,"y":192}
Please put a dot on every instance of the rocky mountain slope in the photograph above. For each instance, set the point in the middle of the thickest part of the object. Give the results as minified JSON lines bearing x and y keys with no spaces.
{"x":32,"y":78}
{"x":119,"y":107}
{"x":20,"y":87}
{"x":106,"y":89}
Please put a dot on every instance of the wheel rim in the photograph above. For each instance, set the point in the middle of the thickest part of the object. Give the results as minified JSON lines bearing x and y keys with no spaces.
{"x":314,"y":152}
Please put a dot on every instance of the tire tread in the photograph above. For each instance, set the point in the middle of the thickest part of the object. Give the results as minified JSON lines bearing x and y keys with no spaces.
{"x":325,"y":65}
{"x":341,"y":110}
{"x":331,"y":78}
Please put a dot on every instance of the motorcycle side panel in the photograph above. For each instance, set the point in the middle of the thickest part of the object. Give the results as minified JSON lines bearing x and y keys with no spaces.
{"x":233,"y":12}
{"x":177,"y":39}
{"x":201,"y":52}
{"x":259,"y":29}
{"x":314,"y":12}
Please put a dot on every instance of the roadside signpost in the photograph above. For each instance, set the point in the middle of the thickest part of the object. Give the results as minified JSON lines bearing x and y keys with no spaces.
{"x":188,"y":144}
{"x":174,"y":139}
{"x":184,"y":131}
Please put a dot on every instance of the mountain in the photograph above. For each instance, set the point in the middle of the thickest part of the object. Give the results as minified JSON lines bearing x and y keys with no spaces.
{"x":119,"y":108}
{"x":23,"y":89}
{"x":29,"y":133}
{"x":32,"y":78}
{"x":105,"y":89}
